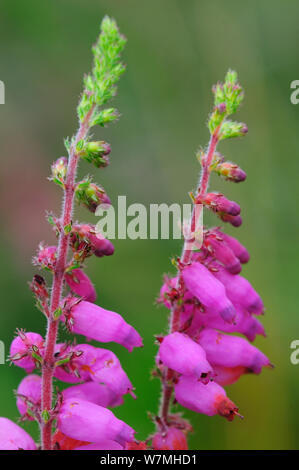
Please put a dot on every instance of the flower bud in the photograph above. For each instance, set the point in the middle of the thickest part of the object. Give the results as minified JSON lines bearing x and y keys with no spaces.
{"x":85,"y":421}
{"x":231,"y":129}
{"x":239,"y":250}
{"x":209,"y":399}
{"x":24,"y":350}
{"x":90,"y":195}
{"x":198,"y":280}
{"x":81,"y":285}
{"x":102,"y":325}
{"x":46,"y":257}
{"x":173,"y":439}
{"x":219,"y":203}
{"x":222,"y":252}
{"x":29,"y":395}
{"x":230,"y":172}
{"x":84,"y":239}
{"x":13,"y":437}
{"x":180,"y":353}
{"x":59,"y":170}
{"x":96,"y":153}
{"x":235,"y":221}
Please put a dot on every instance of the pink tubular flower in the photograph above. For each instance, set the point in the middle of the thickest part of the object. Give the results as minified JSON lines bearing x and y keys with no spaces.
{"x":243,"y":323}
{"x":219,"y":203}
{"x":13,"y":437}
{"x":96,"y":393}
{"x":209,"y":399}
{"x":81,"y":285}
{"x":221,"y":251}
{"x":234,"y":220}
{"x":173,"y":439}
{"x":29,"y":393}
{"x":22,"y":348}
{"x":231,"y":351}
{"x":200,"y":282}
{"x":239,"y":250}
{"x":180,"y":353}
{"x":85,"y":421}
{"x":102,"y":325}
{"x":104,"y":445}
{"x":99,"y":245}
{"x":240,"y":292}
{"x":99,"y":365}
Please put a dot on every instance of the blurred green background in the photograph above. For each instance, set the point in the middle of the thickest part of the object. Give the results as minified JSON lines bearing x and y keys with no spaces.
{"x":176,"y":50}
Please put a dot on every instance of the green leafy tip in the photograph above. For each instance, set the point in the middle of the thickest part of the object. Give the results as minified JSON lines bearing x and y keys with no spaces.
{"x":100,"y":84}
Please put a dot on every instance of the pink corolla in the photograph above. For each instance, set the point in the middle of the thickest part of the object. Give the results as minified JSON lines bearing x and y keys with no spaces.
{"x":96,"y":393}
{"x":81,"y":285}
{"x":85,"y":421}
{"x":239,"y":250}
{"x":209,"y":399}
{"x":13,"y":437}
{"x":201,"y":283}
{"x":228,"y":375}
{"x":180,"y":353}
{"x":99,"y":245}
{"x":222,"y":252}
{"x":25,"y":348}
{"x":244,"y":323}
{"x":232,"y":351}
{"x":240,"y":291}
{"x":172,"y":439}
{"x":29,"y":395}
{"x":88,"y":363}
{"x":88,"y":319}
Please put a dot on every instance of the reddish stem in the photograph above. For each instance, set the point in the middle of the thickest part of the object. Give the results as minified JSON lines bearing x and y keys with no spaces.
{"x":167,"y":382}
{"x":62,"y":251}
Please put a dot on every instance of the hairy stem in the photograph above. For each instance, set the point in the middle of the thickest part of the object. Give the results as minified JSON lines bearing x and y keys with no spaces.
{"x":174,"y":320}
{"x":62,"y":251}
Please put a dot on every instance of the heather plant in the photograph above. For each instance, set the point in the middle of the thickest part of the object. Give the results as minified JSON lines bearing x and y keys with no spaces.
{"x":79,"y":415}
{"x":208,"y":298}
{"x":209,"y":301}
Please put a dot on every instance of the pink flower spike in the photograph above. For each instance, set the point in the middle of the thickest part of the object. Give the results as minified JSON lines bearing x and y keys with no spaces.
{"x":232,"y":351}
{"x":85,"y":421}
{"x":23,"y":346}
{"x":209,"y":399}
{"x":200,"y":282}
{"x":240,"y":292}
{"x":180,"y":353}
{"x":105,"y":445}
{"x":95,"y":393}
{"x":103,"y":325}
{"x":81,"y":285}
{"x":13,"y":437}
{"x":29,"y":391}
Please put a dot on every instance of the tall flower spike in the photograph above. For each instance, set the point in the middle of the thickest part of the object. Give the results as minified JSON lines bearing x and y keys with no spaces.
{"x":200,"y":306}
{"x":81,"y":409}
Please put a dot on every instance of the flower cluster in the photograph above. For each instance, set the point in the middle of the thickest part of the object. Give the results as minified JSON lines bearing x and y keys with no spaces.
{"x":208,"y":298}
{"x":80,"y":414}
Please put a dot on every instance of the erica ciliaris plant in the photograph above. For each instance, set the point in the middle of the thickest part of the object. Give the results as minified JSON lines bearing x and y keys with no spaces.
{"x":208,"y":298}
{"x":78,"y":416}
